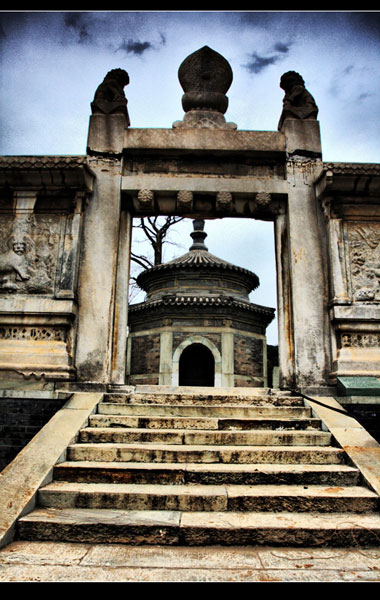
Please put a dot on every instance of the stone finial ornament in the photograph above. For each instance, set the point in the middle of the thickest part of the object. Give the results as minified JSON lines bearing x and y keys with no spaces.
{"x":205,"y":77}
{"x":298,"y":103}
{"x":198,"y":235}
{"x":109,"y":97}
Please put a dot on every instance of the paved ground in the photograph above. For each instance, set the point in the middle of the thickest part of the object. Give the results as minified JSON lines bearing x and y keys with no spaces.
{"x":63,"y":562}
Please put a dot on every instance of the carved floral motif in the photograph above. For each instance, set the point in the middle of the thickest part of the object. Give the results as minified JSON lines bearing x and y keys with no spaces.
{"x":33,"y":333}
{"x":360,"y":340}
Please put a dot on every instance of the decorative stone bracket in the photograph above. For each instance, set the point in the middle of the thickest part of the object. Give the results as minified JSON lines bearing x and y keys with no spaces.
{"x":145,"y":202}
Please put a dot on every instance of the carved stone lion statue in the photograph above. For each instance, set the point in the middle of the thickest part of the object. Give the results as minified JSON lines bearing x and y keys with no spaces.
{"x":298,"y":103}
{"x":109,"y":97}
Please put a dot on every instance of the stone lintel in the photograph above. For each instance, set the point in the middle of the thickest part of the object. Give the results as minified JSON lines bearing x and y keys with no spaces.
{"x":207,"y":185}
{"x":207,"y":140}
{"x":165,"y":194}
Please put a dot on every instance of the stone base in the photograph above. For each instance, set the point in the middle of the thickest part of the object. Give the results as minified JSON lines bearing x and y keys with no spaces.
{"x":302,"y":137}
{"x":357,"y":362}
{"x":209,"y":119}
{"x":358,"y":386}
{"x":106,"y":133}
{"x":37,"y":359}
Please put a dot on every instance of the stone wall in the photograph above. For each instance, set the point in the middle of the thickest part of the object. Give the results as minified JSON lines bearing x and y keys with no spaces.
{"x":349,"y":196}
{"x":42,"y":202}
{"x":21,"y":418}
{"x":248,"y":361}
{"x":145,"y":359}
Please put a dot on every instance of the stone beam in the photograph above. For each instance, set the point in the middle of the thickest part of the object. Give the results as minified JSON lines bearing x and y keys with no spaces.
{"x":206,"y":140}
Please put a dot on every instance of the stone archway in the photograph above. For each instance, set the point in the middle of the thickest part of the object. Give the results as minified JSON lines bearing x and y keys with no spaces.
{"x":196,"y":366}
{"x":198,"y":346}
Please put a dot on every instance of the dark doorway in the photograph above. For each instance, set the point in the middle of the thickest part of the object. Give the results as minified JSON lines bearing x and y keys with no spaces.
{"x":197,"y":366}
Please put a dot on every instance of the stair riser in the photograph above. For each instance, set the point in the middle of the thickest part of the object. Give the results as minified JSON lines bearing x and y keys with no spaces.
{"x":218,"y":424}
{"x":205,"y":400}
{"x":240,"y":456}
{"x":184,"y":476}
{"x":218,"y":502}
{"x":204,"y":411}
{"x":247,"y":438}
{"x":159,"y":534}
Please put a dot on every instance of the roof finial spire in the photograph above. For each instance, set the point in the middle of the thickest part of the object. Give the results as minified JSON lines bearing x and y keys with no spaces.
{"x":198,"y":235}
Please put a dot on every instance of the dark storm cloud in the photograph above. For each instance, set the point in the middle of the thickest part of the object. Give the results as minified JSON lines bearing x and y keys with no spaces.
{"x":76,"y":22}
{"x":283,"y":48}
{"x":366,"y":22}
{"x":134,"y":47}
{"x":258,"y":63}
{"x":138,"y":48}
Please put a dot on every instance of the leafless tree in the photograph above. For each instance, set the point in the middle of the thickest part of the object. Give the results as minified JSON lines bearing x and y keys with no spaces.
{"x":156,"y":231}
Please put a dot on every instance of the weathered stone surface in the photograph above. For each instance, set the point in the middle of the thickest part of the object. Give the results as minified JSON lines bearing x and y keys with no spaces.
{"x":209,"y":473}
{"x":144,"y":492}
{"x":60,"y":562}
{"x":197,"y":497}
{"x":19,"y":481}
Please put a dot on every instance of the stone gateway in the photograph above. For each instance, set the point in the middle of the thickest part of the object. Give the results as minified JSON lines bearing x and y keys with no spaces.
{"x":156,"y":421}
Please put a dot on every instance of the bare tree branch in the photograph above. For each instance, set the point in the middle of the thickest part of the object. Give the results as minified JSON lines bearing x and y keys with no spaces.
{"x":156,"y":234}
{"x":143,"y":261}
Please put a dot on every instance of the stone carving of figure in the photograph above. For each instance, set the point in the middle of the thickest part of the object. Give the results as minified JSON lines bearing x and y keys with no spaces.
{"x":22,"y":269}
{"x":109,"y":97}
{"x":298,"y":103}
{"x":13,"y":264}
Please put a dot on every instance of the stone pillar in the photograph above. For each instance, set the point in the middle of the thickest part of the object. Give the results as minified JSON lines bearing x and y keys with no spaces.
{"x":307,"y":328}
{"x":104,"y":273}
{"x":284,"y":312}
{"x":98,"y":275}
{"x":120,"y":323}
{"x":308,"y":276}
{"x":166,"y":350}
{"x":227,"y":359}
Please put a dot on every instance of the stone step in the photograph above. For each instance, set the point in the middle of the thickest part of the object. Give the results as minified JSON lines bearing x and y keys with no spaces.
{"x":173,"y":473}
{"x":214,"y":423}
{"x":163,"y":453}
{"x":198,"y":497}
{"x":205,"y":437}
{"x":201,"y":528}
{"x":206,"y":399}
{"x":201,"y":410}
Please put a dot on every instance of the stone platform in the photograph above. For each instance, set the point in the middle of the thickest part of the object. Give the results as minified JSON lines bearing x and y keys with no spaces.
{"x":67,"y":562}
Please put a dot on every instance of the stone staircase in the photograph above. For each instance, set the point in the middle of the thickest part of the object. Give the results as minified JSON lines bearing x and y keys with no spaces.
{"x":205,"y":469}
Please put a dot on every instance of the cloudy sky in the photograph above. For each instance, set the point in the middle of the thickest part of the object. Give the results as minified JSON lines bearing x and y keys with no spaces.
{"x":52,"y":62}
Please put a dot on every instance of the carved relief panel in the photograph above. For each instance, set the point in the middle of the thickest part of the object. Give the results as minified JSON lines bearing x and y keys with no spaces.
{"x":363,"y":243}
{"x":355,"y":294}
{"x":38,"y":253}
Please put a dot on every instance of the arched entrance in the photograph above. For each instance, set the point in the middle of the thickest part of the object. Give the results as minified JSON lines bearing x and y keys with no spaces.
{"x":197,"y":366}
